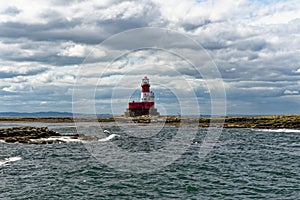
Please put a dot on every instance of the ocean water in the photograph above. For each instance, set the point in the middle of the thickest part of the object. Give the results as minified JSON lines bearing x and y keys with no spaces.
{"x":244,"y":164}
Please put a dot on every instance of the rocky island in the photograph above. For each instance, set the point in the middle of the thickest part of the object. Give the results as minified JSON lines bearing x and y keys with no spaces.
{"x":37,"y":135}
{"x":42,"y":135}
{"x":261,"y":122}
{"x":276,"y":121}
{"x":265,"y":122}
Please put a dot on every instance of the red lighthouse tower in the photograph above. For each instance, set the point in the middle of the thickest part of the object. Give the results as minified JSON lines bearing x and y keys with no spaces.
{"x":146,"y":105}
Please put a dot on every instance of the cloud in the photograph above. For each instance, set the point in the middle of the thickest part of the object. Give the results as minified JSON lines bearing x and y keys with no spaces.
{"x":291,"y":92}
{"x":12,"y":11}
{"x":278,"y":13}
{"x":255,"y":45}
{"x":297,"y":71}
{"x":126,"y":10}
{"x":10,"y":71}
{"x":79,"y":50}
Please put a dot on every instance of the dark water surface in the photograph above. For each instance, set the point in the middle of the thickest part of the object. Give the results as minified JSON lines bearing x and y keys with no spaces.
{"x":244,"y":164}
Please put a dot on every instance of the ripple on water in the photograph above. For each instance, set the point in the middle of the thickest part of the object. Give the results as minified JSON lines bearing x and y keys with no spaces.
{"x":244,"y":164}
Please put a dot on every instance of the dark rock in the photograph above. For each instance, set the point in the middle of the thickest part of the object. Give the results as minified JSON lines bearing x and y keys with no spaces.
{"x":10,"y":140}
{"x":24,"y":134}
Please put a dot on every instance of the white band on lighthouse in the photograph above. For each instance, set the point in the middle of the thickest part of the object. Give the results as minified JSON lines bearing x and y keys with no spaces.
{"x":146,"y":94}
{"x":147,"y":97}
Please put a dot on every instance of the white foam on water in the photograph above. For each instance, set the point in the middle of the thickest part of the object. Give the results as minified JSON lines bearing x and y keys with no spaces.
{"x":70,"y":139}
{"x":64,"y":139}
{"x":8,"y":160}
{"x":110,"y":137}
{"x":282,"y":130}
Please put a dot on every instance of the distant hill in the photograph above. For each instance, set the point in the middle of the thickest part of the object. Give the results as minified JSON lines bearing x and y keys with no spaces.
{"x":48,"y":114}
{"x":69,"y":114}
{"x":36,"y":114}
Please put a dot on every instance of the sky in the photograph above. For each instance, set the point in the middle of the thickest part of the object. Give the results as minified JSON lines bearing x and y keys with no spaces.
{"x":102,"y":49}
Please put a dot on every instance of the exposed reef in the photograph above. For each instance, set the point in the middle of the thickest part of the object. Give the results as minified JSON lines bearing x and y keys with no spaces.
{"x":42,"y":135}
{"x":261,"y":122}
{"x":37,"y":135}
{"x":264,"y":122}
{"x":267,"y":122}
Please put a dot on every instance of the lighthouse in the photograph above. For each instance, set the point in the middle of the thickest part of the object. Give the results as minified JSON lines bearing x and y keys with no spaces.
{"x":146,"y":95}
{"x":146,"y":104}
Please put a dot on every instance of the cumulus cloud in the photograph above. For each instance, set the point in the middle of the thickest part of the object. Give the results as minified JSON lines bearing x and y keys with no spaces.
{"x":80,"y":50}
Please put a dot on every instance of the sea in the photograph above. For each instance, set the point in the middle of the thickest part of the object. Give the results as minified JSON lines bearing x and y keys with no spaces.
{"x":241,"y":164}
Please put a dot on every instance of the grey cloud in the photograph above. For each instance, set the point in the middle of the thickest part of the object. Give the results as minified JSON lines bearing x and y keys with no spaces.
{"x":46,"y":58}
{"x":214,"y":45}
{"x":264,"y":105}
{"x":78,"y":30}
{"x":251,"y":44}
{"x":251,"y":94}
{"x":259,"y":62}
{"x":190,"y":26}
{"x":6,"y":93}
{"x":12,"y":11}
{"x":250,"y":84}
{"x":51,"y":15}
{"x":40,"y":93}
{"x":34,"y":31}
{"x":52,"y":60}
{"x":65,"y":2}
{"x":56,"y":30}
{"x":14,"y":73}
{"x":45,"y":52}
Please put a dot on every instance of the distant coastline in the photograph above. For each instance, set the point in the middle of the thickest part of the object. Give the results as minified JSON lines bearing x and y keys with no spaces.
{"x":267,"y":122}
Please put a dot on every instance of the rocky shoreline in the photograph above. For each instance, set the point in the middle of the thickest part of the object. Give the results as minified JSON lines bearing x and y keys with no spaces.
{"x":37,"y":135}
{"x":259,"y":122}
{"x":42,"y":135}
{"x":265,"y":122}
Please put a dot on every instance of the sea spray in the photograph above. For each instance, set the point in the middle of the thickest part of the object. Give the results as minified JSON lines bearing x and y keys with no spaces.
{"x":108,"y":138}
{"x":8,"y":160}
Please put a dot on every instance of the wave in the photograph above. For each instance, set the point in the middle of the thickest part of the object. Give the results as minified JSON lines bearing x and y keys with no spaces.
{"x":282,"y":130}
{"x":66,"y":139}
{"x":63,"y":139}
{"x":8,"y":160}
{"x":108,"y":138}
